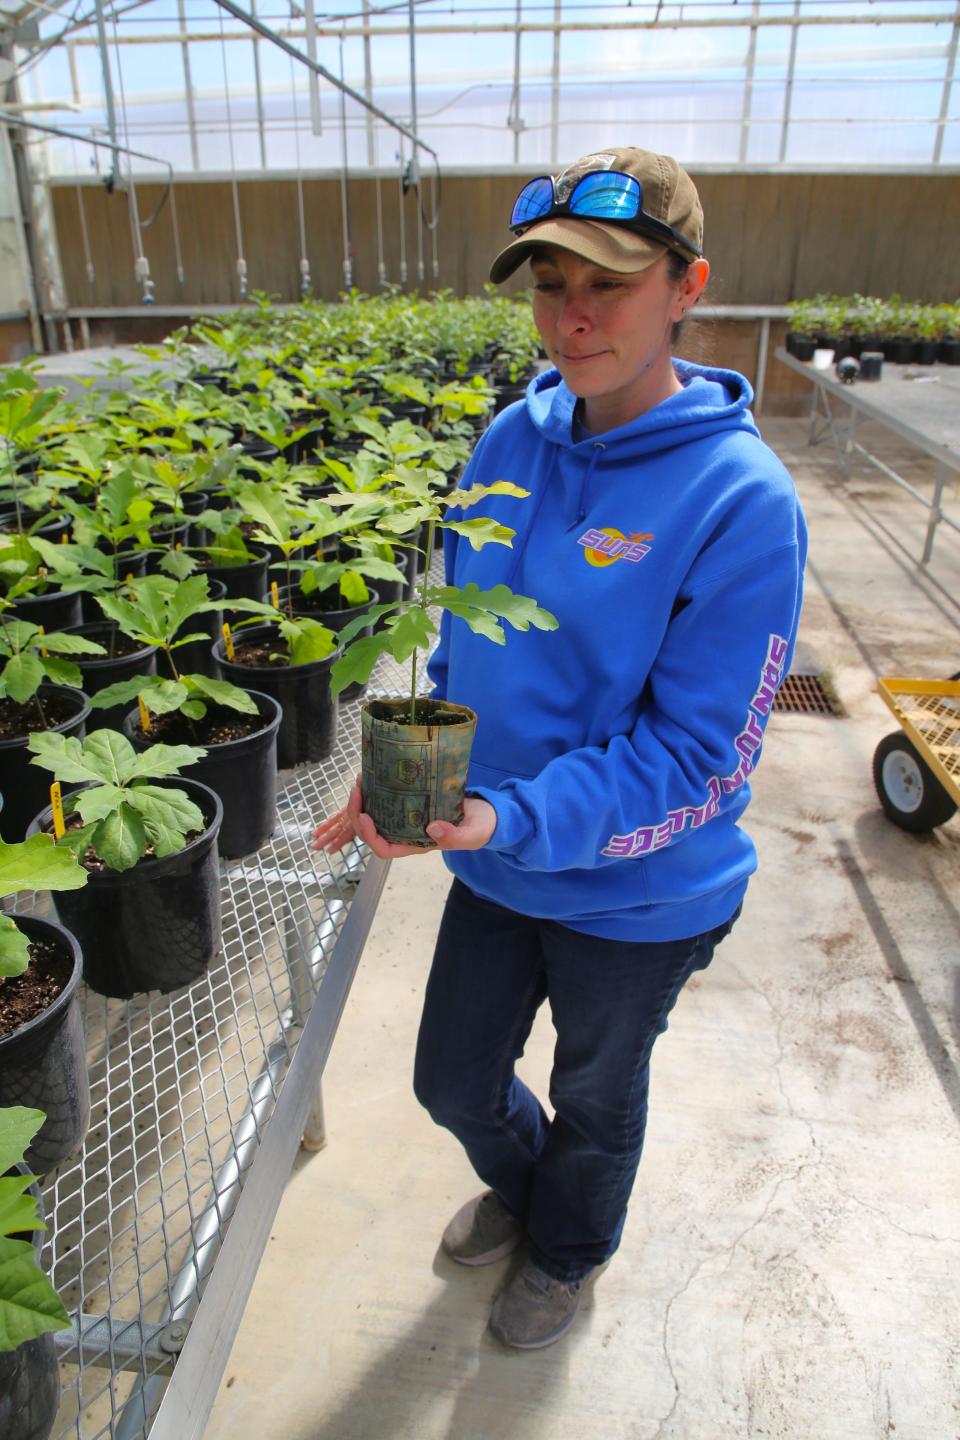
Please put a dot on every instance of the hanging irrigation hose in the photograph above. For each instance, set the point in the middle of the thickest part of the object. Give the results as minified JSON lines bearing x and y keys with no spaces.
{"x":433,"y":228}
{"x":381,"y":267}
{"x":304,"y":262}
{"x":403,"y":228}
{"x":142,"y":265}
{"x":176,"y":229}
{"x":241,"y":261}
{"x":344,"y":199}
{"x":88,"y":258}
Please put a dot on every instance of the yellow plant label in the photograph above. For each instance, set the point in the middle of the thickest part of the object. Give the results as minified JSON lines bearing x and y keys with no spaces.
{"x":274,"y":595}
{"x":57,"y":804}
{"x":144,"y":715}
{"x":64,"y":538}
{"x":228,"y":641}
{"x":40,"y":631}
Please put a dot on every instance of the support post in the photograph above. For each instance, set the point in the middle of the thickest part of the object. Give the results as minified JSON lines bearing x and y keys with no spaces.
{"x":115,"y":181}
{"x":936,"y":513}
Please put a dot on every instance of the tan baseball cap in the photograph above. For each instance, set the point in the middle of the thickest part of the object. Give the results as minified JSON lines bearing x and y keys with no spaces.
{"x":668,"y":195}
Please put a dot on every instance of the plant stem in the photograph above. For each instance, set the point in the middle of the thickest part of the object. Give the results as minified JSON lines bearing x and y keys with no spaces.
{"x":431,"y":526}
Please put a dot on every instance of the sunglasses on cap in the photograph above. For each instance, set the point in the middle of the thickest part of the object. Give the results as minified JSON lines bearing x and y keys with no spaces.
{"x":608,"y":195}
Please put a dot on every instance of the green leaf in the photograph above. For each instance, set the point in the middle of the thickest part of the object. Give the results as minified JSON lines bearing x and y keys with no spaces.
{"x":18,"y":1210}
{"x":412,"y":631}
{"x":369,"y":617}
{"x":463,"y":499}
{"x":60,"y":643}
{"x":221,"y":692}
{"x":353,"y":588}
{"x":480,"y":531}
{"x":161,"y":696}
{"x":166,"y":810}
{"x":112,"y":754}
{"x":64,"y":755}
{"x":21,"y":677}
{"x":122,"y":692}
{"x":62,"y":672}
{"x":357,"y":661}
{"x":308,"y":640}
{"x":14,"y":948}
{"x":96,"y":803}
{"x":29,"y":1305}
{"x":18,"y":1125}
{"x":161,"y":760}
{"x":37,"y":864}
{"x":188,"y":599}
{"x":178,"y":563}
{"x":120,"y":840}
{"x":193,"y":709}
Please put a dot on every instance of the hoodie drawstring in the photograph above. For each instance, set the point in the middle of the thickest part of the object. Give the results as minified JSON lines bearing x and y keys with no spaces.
{"x":581,"y":507}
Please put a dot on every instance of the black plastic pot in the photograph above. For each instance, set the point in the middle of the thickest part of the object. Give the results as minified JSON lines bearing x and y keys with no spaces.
{"x":308,"y":729}
{"x":195,"y":657}
{"x":30,"y":1375}
{"x":322,"y":606}
{"x":26,"y":787}
{"x":254,"y":448}
{"x":948,"y":351}
{"x":801,"y":347}
{"x":899,"y":349}
{"x":244,"y":775}
{"x":50,"y":529}
{"x":99,"y":671}
{"x":925,"y":352}
{"x":509,"y":394}
{"x":247,"y":581}
{"x":157,"y":926}
{"x":57,"y":610}
{"x":43,"y":1064}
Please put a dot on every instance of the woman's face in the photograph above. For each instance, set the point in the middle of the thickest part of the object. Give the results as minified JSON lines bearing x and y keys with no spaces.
{"x":609,"y":334}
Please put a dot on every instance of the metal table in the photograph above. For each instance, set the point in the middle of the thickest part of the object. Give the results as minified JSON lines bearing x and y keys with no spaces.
{"x":921,"y":404}
{"x":200,"y":1099}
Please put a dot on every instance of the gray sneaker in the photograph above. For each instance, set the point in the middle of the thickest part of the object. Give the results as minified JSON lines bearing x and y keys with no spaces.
{"x":482,"y":1231}
{"x":534,"y":1310}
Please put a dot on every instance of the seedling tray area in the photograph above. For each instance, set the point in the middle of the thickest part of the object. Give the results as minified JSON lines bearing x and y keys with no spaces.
{"x":200,"y":1100}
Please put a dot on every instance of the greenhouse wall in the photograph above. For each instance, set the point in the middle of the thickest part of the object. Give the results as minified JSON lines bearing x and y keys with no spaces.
{"x":771,"y":237}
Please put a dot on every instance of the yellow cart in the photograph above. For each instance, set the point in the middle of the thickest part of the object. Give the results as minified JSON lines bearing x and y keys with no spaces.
{"x":917,"y":769}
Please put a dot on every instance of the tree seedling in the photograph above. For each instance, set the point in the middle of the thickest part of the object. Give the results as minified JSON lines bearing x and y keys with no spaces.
{"x":122,"y":813}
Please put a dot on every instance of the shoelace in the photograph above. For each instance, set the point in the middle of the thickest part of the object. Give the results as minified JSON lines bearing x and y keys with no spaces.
{"x":543,"y":1284}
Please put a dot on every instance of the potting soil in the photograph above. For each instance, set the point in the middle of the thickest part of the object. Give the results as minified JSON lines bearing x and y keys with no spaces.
{"x":24,"y":996}
{"x":17,"y":720}
{"x":217,"y":727}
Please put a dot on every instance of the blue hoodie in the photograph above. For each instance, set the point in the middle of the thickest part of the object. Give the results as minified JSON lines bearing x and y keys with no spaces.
{"x":616,"y":749}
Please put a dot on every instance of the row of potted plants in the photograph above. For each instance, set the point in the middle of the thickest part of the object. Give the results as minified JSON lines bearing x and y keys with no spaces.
{"x":190,"y":579}
{"x":903,"y":331}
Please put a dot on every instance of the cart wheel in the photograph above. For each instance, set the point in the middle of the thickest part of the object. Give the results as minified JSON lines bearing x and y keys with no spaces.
{"x":910,"y":793}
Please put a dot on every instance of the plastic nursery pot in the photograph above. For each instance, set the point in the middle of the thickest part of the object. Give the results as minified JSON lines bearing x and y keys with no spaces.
{"x":322,"y":606}
{"x":99,"y":671}
{"x":43,"y":1063}
{"x":246,"y":580}
{"x":801,"y":347}
{"x":308,"y":730}
{"x":414,"y":774}
{"x":156,"y":926}
{"x":948,"y":351}
{"x":56,"y":610}
{"x":242,"y":772}
{"x":925,"y":352}
{"x":25,"y":787}
{"x":30,"y":1375}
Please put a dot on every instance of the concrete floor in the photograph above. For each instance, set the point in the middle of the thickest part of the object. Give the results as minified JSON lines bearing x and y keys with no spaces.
{"x":789,"y":1266}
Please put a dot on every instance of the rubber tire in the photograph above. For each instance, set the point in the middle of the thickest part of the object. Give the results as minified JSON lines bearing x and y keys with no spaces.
{"x":935,"y":804}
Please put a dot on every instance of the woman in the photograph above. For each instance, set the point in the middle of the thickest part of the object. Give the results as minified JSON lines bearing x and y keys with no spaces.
{"x":599,"y":861}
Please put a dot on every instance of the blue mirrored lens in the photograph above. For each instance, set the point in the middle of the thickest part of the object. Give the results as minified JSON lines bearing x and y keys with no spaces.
{"x":607,"y":196}
{"x":534,"y":201}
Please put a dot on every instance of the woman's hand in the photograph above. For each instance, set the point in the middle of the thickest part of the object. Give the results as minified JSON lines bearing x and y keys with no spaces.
{"x":352,"y":823}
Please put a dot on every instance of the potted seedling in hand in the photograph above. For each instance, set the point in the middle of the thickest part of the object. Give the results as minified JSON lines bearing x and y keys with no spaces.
{"x":416,"y":751}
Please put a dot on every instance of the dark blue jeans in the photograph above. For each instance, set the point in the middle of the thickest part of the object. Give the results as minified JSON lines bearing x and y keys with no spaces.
{"x":568,"y":1179}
